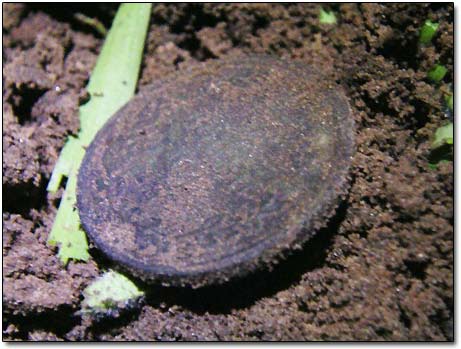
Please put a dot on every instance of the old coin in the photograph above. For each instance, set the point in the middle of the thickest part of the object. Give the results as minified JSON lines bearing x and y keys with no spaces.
{"x":217,"y":170}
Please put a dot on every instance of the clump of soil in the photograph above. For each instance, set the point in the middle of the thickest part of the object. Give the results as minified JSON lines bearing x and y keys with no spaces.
{"x":381,"y":270}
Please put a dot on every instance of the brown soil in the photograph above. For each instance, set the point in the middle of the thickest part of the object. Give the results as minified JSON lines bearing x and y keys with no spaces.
{"x":381,"y":270}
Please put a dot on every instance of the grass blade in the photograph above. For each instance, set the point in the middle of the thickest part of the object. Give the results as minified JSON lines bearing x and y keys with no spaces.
{"x":428,"y":31}
{"x":111,"y":85}
{"x":437,"y":73}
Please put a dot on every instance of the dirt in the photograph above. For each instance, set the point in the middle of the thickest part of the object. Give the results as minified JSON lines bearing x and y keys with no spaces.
{"x":381,"y":270}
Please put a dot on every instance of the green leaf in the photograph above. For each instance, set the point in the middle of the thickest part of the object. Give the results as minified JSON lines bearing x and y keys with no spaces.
{"x":437,"y":73}
{"x":443,"y":135}
{"x":71,"y":155}
{"x":111,"y":85}
{"x":442,"y":146}
{"x":326,"y":17}
{"x":449,"y":101}
{"x":109,"y":292}
{"x":66,"y":232}
{"x":428,"y":31}
{"x":114,"y":78}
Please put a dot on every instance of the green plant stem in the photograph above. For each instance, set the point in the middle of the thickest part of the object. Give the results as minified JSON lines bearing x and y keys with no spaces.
{"x":111,"y":85}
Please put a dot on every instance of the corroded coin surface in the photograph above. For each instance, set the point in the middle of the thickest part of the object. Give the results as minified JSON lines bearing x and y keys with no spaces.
{"x":217,"y":170}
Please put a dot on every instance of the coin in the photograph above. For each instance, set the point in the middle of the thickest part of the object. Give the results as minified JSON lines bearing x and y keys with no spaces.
{"x":218,"y":170}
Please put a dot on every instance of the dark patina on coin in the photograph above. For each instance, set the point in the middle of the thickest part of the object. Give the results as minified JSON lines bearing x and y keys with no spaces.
{"x":217,"y":170}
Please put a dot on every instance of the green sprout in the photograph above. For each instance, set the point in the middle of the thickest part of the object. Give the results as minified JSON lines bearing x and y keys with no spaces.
{"x":437,"y":73}
{"x":326,"y":17}
{"x":111,"y":85}
{"x":443,"y":135}
{"x":110,"y":293}
{"x":427,"y":32}
{"x":93,"y":22}
{"x":442,"y":146}
{"x":449,"y":101}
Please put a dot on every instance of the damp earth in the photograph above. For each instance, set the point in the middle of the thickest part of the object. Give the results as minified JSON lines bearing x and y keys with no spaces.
{"x":218,"y":170}
{"x":382,"y":269}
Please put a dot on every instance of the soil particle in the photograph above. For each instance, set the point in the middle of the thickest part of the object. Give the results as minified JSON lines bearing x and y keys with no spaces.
{"x":167,"y":59}
{"x":19,"y":167}
{"x":33,"y":277}
{"x":43,"y":336}
{"x":384,"y":269}
{"x":215,"y":40}
{"x":37,"y":25}
{"x":12,"y":14}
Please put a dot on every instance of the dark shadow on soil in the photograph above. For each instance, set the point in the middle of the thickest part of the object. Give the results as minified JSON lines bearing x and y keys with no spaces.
{"x":401,"y":51}
{"x":107,"y":323}
{"x":22,"y":100}
{"x":58,"y":321}
{"x":244,"y":292}
{"x":23,"y":197}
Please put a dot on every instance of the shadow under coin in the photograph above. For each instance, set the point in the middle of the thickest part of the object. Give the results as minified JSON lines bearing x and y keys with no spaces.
{"x":244,"y":292}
